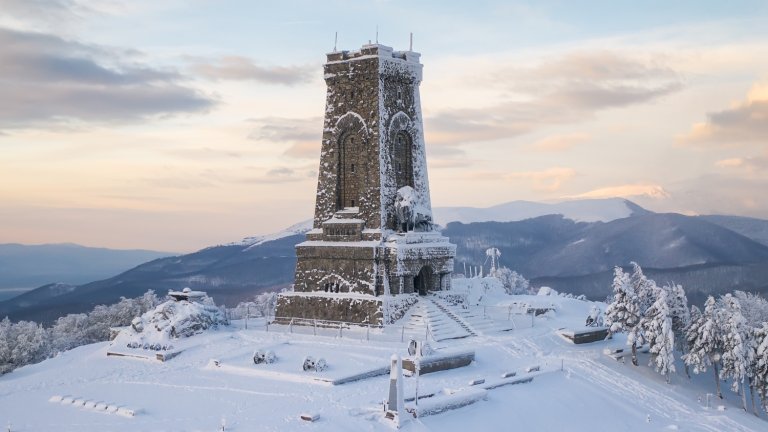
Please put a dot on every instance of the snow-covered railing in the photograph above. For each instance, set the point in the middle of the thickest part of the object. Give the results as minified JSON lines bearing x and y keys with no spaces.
{"x":330,"y":328}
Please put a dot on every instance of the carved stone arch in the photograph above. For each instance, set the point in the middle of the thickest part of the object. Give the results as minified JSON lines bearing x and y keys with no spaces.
{"x":352,"y":164}
{"x":426,"y":279}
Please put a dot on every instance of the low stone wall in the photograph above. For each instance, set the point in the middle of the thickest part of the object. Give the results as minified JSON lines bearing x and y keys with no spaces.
{"x":586,"y":336}
{"x":437,"y":363}
{"x":358,"y":309}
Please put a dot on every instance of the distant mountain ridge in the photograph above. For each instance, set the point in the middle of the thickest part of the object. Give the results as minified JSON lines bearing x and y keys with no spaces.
{"x":587,"y":210}
{"x":561,"y":250}
{"x":34,"y":265}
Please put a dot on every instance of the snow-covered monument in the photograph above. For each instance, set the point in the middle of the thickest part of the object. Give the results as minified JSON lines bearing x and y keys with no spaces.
{"x":373,"y":236}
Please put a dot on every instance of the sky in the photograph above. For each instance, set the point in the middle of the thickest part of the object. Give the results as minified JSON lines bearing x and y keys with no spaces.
{"x":178,"y":124}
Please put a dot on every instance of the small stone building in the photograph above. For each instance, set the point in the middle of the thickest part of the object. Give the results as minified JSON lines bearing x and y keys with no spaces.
{"x":373,"y":236}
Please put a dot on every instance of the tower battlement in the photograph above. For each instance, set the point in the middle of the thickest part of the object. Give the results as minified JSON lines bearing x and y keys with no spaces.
{"x":371,"y":51}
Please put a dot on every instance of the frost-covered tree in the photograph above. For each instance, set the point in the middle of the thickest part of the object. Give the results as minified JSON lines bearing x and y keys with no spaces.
{"x":658,"y":331}
{"x":6,"y":345}
{"x":645,"y":289}
{"x":754,"y":308}
{"x":705,"y":342}
{"x":760,"y":364}
{"x":31,"y":343}
{"x":263,"y":305}
{"x":681,"y":316}
{"x":752,"y":344}
{"x":69,"y":332}
{"x":695,"y":315}
{"x":513,"y":282}
{"x":735,"y":342}
{"x":28,"y":342}
{"x":623,"y":313}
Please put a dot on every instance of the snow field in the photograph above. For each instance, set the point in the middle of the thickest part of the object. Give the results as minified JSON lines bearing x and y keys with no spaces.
{"x":591,"y":392}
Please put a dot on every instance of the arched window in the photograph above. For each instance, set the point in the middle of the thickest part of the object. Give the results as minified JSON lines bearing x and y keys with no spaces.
{"x":402,"y":162}
{"x":350,"y":166}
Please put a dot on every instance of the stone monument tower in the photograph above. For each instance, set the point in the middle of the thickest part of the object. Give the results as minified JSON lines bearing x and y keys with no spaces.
{"x":373,"y":237}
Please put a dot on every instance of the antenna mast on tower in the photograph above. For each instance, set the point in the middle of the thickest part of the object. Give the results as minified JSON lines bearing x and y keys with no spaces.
{"x":335,"y":41}
{"x":411,"y":46}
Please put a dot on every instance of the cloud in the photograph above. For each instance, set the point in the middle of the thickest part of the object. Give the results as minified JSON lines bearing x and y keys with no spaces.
{"x":744,"y":122}
{"x":42,"y":10}
{"x":47,"y":81}
{"x":748,"y":165}
{"x":557,"y":143}
{"x":560,"y":90}
{"x":714,"y":193}
{"x":548,"y":180}
{"x":301,"y":136}
{"x":243,"y":69}
{"x":647,"y":190}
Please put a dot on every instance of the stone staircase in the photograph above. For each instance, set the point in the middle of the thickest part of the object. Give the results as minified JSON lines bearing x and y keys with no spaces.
{"x":475,"y":318}
{"x":427,"y":317}
{"x":446,"y":310}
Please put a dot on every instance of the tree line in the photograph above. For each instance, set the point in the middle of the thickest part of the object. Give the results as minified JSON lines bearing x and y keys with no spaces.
{"x":27,"y":342}
{"x":730,"y":335}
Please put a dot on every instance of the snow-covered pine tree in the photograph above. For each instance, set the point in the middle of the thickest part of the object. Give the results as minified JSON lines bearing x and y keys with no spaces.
{"x":735,"y":337}
{"x":754,"y":308}
{"x":695,"y":316}
{"x":735,"y":356}
{"x":645,"y":289}
{"x":681,"y":316}
{"x":623,"y":314}
{"x":705,"y":342}
{"x":760,"y":364}
{"x":658,"y":331}
{"x":752,"y":344}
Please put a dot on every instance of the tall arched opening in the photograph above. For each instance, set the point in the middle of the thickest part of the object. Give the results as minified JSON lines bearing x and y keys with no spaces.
{"x":422,"y":282}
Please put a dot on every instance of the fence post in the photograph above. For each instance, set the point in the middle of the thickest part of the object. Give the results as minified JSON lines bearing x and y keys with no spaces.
{"x":266,"y":323}
{"x":340,"y":329}
{"x":533,"y":315}
{"x":290,"y":326}
{"x":484,"y":314}
{"x":314,"y":327}
{"x":368,"y":332}
{"x":509,"y":313}
{"x":402,"y":335}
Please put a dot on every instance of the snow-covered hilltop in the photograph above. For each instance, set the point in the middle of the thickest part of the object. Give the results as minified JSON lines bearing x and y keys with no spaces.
{"x":584,"y":210}
{"x":524,"y":374}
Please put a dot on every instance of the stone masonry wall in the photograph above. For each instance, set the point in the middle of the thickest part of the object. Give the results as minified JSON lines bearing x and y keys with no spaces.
{"x":354,"y":310}
{"x":351,"y":112}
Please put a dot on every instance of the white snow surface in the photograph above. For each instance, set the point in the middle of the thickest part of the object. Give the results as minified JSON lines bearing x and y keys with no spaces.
{"x":587,"y":210}
{"x":300,"y":228}
{"x":192,"y":392}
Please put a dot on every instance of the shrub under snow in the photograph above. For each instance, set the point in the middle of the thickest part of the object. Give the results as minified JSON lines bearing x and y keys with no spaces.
{"x":176,"y":319}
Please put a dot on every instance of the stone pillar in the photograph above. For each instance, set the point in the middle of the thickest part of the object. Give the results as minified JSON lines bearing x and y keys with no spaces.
{"x":395,"y":401}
